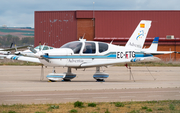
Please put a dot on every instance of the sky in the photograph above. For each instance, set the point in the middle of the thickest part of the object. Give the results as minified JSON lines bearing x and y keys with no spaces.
{"x":20,"y":13}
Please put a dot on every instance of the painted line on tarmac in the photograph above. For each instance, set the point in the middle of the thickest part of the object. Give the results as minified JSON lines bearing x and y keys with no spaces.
{"x":43,"y":99}
{"x":71,"y":98}
{"x":155,"y":95}
{"x":109,"y":93}
{"x":126,"y":96}
{"x":12,"y":100}
{"x":100,"y":97}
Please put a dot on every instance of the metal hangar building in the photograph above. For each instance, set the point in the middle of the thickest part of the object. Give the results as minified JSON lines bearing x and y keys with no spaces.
{"x":56,"y":28}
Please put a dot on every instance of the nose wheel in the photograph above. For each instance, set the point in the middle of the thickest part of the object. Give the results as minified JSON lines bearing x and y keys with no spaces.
{"x":67,"y":76}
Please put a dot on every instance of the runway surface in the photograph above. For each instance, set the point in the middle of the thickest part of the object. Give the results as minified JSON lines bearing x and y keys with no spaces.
{"x":21,"y":84}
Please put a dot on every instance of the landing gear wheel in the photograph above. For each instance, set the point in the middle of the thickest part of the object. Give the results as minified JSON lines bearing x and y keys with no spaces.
{"x":100,"y":80}
{"x":100,"y":76}
{"x":52,"y":81}
{"x":66,"y":80}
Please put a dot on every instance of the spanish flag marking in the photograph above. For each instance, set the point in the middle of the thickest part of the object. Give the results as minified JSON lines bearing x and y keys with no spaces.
{"x":142,"y":25}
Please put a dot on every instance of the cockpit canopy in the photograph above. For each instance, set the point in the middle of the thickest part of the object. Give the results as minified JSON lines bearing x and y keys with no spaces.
{"x":75,"y":46}
{"x":43,"y":47}
{"x":88,"y":47}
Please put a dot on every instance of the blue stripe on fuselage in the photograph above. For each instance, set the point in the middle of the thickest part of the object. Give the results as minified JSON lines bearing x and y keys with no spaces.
{"x":113,"y":56}
{"x":143,"y":55}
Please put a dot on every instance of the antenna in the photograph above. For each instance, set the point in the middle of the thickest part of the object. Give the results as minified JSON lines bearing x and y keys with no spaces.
{"x":83,"y":36}
{"x":112,"y":41}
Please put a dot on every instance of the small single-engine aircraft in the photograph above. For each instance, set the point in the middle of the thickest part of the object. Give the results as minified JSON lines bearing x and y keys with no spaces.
{"x":6,"y":51}
{"x":85,"y":54}
{"x":29,"y":52}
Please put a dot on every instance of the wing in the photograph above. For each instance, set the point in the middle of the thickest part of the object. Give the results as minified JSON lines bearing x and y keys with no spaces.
{"x":123,"y":61}
{"x":9,"y":49}
{"x":2,"y":56}
{"x":23,"y":58}
{"x":104,"y":63}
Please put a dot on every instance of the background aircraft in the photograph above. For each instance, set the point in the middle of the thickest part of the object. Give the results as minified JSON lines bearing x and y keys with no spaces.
{"x":85,"y":54}
{"x":29,"y":52}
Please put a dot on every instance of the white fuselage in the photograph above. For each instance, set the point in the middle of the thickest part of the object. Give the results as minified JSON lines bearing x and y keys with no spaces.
{"x":67,"y":58}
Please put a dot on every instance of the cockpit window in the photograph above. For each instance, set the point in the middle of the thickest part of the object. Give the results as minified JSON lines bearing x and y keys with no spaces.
{"x":89,"y":48}
{"x":43,"y":47}
{"x":75,"y":46}
{"x":102,"y":47}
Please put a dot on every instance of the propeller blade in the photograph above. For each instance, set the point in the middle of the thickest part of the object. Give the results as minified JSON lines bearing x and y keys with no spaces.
{"x":11,"y":45}
{"x":45,"y":57}
{"x":43,"y":46}
{"x":32,"y":50}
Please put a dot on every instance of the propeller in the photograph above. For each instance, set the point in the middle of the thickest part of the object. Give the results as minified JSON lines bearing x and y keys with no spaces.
{"x":40,"y":53}
{"x":32,"y":49}
{"x":16,"y":51}
{"x":11,"y":45}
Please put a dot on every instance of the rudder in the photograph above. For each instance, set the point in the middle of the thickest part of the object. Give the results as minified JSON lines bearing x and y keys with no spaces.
{"x":138,"y":37}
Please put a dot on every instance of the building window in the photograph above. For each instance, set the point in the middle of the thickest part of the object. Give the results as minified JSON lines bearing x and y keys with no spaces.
{"x":170,"y":37}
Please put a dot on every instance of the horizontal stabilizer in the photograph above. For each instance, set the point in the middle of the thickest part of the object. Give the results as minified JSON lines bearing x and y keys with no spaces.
{"x":154,"y":44}
{"x":159,"y":52}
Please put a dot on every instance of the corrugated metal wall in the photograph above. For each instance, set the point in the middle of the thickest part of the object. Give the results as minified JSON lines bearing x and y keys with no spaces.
{"x":55,"y":27}
{"x":123,"y":23}
{"x":59,"y":27}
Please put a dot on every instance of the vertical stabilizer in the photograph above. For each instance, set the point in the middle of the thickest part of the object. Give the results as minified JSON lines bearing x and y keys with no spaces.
{"x":154,"y":44}
{"x":138,"y":37}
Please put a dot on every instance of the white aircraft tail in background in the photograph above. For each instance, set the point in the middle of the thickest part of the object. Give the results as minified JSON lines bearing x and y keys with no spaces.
{"x":138,"y":37}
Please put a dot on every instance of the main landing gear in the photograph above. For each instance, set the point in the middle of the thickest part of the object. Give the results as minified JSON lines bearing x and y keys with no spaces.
{"x":67,"y":76}
{"x":100,"y":76}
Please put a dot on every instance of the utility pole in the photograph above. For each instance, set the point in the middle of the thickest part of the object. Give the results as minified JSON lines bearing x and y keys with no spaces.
{"x":93,"y":13}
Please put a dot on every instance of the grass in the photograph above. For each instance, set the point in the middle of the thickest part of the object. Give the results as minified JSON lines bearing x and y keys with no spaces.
{"x":91,"y":105}
{"x":171,"y":107}
{"x":78,"y":104}
{"x":119,"y":104}
{"x":166,"y":106}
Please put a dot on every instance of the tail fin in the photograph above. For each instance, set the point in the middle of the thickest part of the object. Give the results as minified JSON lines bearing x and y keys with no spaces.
{"x":138,"y":37}
{"x":154,"y":44}
{"x":153,"y":48}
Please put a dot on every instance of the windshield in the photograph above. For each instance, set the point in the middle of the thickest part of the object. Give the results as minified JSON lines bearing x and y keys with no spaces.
{"x":43,"y":47}
{"x":75,"y":46}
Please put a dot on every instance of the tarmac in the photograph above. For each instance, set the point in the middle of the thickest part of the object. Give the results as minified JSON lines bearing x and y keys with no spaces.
{"x":24,"y":85}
